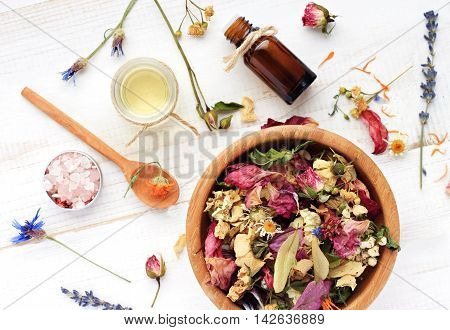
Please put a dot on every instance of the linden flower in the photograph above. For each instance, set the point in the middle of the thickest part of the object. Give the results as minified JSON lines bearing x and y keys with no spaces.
{"x":159,"y":186}
{"x":361,"y":106}
{"x":209,"y":12}
{"x":398,"y":145}
{"x":196,"y":29}
{"x":356,"y":91}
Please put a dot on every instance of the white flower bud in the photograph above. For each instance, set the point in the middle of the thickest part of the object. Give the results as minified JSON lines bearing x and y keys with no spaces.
{"x":374,"y":252}
{"x":365,"y":245}
{"x":372,"y":262}
{"x":382,"y":241}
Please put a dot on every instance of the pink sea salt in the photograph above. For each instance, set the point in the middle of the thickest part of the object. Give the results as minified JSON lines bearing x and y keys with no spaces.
{"x":72,"y":180}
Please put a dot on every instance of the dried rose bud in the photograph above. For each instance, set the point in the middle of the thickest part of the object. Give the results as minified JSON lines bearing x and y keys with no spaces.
{"x":196,"y":30}
{"x":316,"y":16}
{"x":118,"y":37}
{"x":79,"y":65}
{"x":211,"y":119}
{"x":155,"y":267}
{"x":225,"y":122}
{"x":209,"y":12}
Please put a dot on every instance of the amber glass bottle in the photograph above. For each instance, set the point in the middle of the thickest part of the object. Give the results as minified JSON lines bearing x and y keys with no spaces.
{"x":270,"y":60}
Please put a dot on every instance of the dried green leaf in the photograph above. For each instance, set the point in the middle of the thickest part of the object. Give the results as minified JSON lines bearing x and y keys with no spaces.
{"x":223,"y":106}
{"x":285,"y":261}
{"x":321,"y":264}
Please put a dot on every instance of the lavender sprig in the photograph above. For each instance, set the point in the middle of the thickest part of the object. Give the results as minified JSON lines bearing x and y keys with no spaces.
{"x":90,"y":300}
{"x":428,"y":86}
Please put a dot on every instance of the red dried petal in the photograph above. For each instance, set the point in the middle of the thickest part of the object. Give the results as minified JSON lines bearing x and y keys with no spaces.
{"x":247,"y":176}
{"x":372,"y":207}
{"x":377,"y":130}
{"x":221,"y":271}
{"x":213,"y":245}
{"x":294,"y":120}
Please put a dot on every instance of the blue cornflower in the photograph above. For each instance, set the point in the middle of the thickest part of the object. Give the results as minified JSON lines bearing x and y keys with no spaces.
{"x":79,"y":65}
{"x":90,"y":300}
{"x":118,"y":37}
{"x":31,"y":229}
{"x":317,"y":232}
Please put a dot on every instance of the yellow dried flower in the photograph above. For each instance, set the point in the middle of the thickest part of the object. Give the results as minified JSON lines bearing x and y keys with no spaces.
{"x":356,"y":91}
{"x":196,"y":30}
{"x":209,"y":12}
{"x":178,"y":34}
{"x":361,"y":106}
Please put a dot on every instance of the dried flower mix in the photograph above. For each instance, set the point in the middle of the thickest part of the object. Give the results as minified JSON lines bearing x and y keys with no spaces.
{"x":72,"y":180}
{"x":292,"y":228}
{"x":361,"y":110}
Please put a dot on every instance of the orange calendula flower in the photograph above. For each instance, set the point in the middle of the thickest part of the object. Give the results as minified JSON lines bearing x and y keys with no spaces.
{"x":384,"y":87}
{"x":160,"y":186}
{"x":327,"y":304}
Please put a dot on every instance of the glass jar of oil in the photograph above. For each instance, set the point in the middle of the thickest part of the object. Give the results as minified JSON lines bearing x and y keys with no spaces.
{"x":144,"y":91}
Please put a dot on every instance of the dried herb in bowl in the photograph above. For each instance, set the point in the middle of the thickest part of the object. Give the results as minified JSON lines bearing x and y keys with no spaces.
{"x":292,"y":228}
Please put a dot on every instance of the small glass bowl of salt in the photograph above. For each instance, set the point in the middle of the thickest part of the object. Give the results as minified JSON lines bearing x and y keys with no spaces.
{"x":72,"y":180}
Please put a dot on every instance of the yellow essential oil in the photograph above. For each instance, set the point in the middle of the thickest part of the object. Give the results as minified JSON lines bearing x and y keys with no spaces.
{"x":144,"y":91}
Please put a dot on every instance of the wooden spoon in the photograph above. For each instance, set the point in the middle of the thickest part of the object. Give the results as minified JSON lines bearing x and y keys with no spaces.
{"x":141,"y":186}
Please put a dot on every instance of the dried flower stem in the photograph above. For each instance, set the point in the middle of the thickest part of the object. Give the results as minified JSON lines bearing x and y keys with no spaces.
{"x":428,"y":87}
{"x":118,"y":26}
{"x":199,"y":97}
{"x":138,"y":172}
{"x":157,"y":291}
{"x":82,"y":256}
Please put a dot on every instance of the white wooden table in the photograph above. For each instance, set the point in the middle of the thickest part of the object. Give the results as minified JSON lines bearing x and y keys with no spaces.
{"x":41,"y":38}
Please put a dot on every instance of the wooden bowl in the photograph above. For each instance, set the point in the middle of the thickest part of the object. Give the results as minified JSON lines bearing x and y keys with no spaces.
{"x":374,"y":278}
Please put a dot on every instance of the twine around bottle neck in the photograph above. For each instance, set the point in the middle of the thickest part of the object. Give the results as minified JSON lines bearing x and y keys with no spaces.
{"x":245,"y":46}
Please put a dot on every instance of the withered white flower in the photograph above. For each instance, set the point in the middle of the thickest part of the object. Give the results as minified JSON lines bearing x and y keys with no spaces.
{"x":346,"y":280}
{"x":354,"y":268}
{"x":244,"y":253}
{"x":242,"y":284}
{"x":325,"y":170}
{"x":311,"y":220}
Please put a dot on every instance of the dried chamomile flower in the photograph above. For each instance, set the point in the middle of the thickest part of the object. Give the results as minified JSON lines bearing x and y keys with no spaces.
{"x":248,"y":110}
{"x":398,"y":144}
